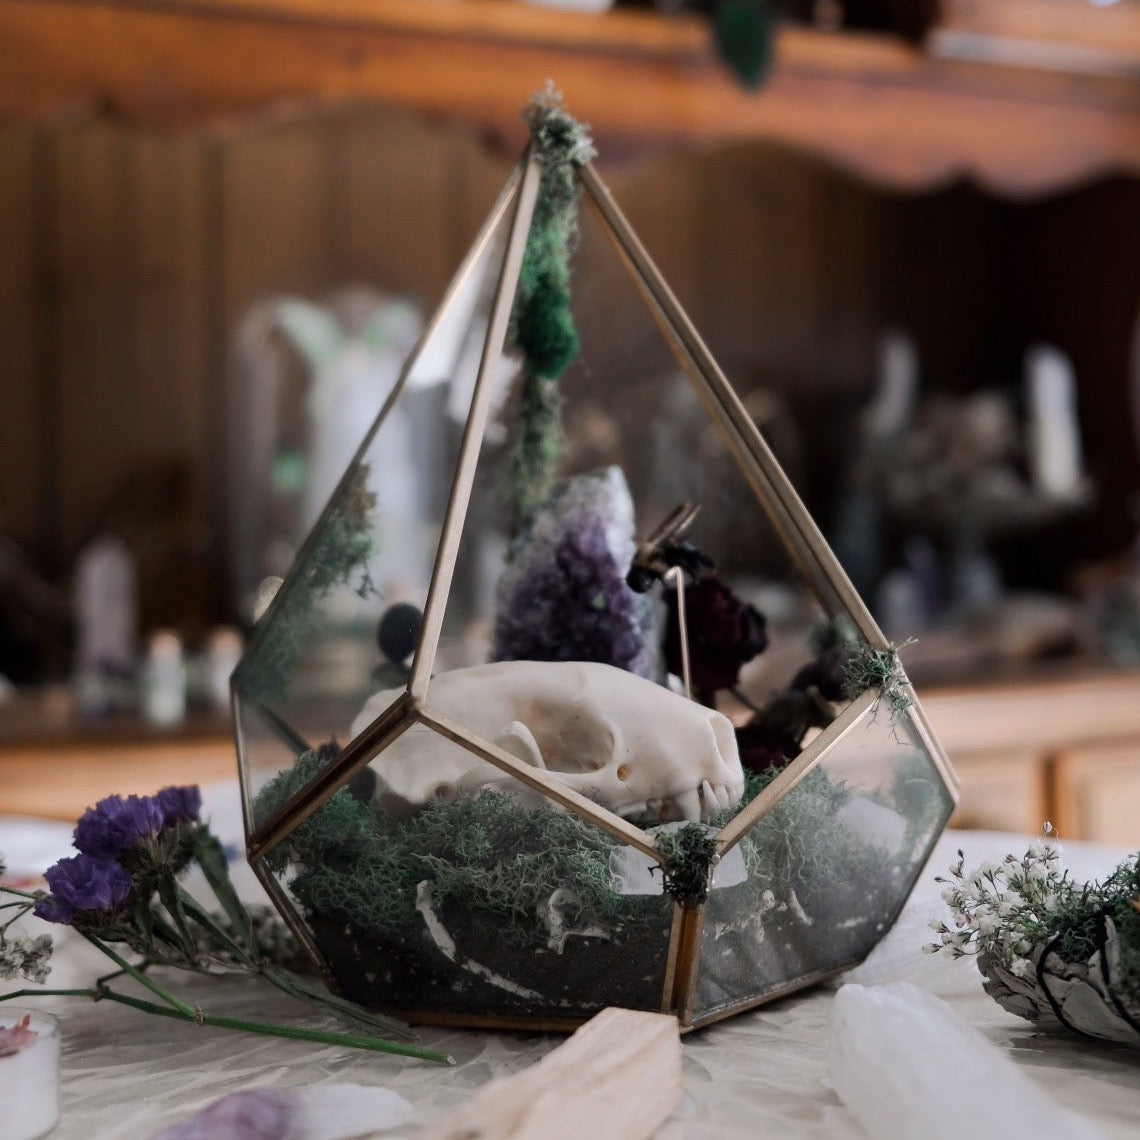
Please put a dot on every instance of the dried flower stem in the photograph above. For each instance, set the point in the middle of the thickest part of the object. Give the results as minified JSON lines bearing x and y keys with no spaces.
{"x":122,"y":888}
{"x":199,"y":1017}
{"x":133,"y":971}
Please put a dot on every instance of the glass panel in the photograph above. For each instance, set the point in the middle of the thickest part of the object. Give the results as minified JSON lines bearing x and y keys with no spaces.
{"x":265,"y":747}
{"x":471,"y":906}
{"x":346,"y":620}
{"x":828,"y":868}
{"x":541,"y":577}
{"x":437,"y":883}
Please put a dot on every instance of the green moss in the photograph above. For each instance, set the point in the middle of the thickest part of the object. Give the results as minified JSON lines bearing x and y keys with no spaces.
{"x":542,"y":324}
{"x":686,"y":862}
{"x":1072,"y":924}
{"x":353,"y":865}
{"x":1119,"y":899}
{"x":919,"y":795}
{"x":878,"y":669}
{"x":832,"y":633}
{"x":337,"y":551}
{"x":799,"y":845}
{"x":743,"y":33}
{"x":356,"y":865}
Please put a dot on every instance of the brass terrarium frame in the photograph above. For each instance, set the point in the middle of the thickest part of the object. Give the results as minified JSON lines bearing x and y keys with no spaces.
{"x":803,"y":541}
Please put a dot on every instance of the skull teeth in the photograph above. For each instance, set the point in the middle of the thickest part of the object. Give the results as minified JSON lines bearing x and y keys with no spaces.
{"x":713,"y":799}
{"x":695,"y":805}
{"x":688,"y":805}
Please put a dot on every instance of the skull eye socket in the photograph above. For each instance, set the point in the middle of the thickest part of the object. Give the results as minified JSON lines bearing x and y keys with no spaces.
{"x":573,"y":744}
{"x":623,"y":772}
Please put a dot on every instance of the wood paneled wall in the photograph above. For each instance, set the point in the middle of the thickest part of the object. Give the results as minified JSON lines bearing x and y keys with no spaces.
{"x":128,"y":259}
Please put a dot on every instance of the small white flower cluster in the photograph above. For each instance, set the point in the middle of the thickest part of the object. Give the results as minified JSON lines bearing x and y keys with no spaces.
{"x":28,"y":958}
{"x":20,"y":956}
{"x":999,"y":907}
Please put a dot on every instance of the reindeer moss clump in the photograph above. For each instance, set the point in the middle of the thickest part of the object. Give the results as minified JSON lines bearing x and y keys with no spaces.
{"x":686,"y":862}
{"x":801,"y":844}
{"x":542,"y":324}
{"x":475,"y":901}
{"x":878,"y":669}
{"x":354,"y":864}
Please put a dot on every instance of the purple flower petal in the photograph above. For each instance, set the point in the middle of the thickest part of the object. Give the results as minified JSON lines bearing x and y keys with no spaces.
{"x":116,"y":824}
{"x":52,"y":910}
{"x":314,"y":1112}
{"x":84,"y":883}
{"x":180,"y":804}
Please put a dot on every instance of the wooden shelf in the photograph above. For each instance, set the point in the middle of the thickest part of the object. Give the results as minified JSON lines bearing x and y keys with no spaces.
{"x":56,"y":764}
{"x":875,"y":105}
{"x":60,"y":780}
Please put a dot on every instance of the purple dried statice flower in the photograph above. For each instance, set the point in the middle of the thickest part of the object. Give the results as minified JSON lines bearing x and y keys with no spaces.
{"x":84,"y":883}
{"x":180,"y":803}
{"x":574,"y":606}
{"x":116,"y":824}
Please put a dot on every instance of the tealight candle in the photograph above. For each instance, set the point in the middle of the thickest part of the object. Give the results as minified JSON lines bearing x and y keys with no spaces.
{"x":29,"y":1073}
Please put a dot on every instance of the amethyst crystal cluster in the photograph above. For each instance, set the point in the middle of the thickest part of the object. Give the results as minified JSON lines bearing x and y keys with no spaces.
{"x":563,"y":595}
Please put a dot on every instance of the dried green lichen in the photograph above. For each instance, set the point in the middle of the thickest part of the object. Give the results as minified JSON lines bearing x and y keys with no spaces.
{"x":799,"y":844}
{"x":833,"y":633}
{"x":878,"y":669}
{"x":353,"y":865}
{"x":687,"y":862}
{"x":542,"y":324}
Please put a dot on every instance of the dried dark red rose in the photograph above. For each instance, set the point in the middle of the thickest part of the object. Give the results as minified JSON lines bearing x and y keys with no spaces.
{"x":725,"y":633}
{"x":757,"y":752}
{"x":826,"y":673}
{"x":775,"y":734}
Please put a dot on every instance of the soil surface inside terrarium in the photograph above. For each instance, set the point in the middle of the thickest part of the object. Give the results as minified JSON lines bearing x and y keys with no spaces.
{"x":487,"y":976}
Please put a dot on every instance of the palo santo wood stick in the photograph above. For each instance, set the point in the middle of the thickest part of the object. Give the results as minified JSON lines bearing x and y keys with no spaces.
{"x":618,"y":1076}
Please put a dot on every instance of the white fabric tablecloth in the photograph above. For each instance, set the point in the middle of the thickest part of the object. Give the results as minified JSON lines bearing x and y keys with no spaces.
{"x":128,"y":1075}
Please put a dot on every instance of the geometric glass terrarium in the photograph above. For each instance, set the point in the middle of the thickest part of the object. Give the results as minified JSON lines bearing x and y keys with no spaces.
{"x":545,"y":719}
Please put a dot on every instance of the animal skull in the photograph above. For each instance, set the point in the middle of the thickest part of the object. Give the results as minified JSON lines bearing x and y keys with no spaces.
{"x":627,"y":743}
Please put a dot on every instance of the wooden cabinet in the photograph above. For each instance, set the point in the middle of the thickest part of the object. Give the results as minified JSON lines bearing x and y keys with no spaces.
{"x":892,"y":111}
{"x":1065,"y":751}
{"x":1095,"y":792}
{"x":164,"y":164}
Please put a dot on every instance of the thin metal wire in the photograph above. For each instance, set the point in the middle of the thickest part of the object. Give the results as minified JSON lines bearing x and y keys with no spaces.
{"x":678,"y":577}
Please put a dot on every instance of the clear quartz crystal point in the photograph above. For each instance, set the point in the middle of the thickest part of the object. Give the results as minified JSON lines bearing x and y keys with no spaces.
{"x":906,"y":1064}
